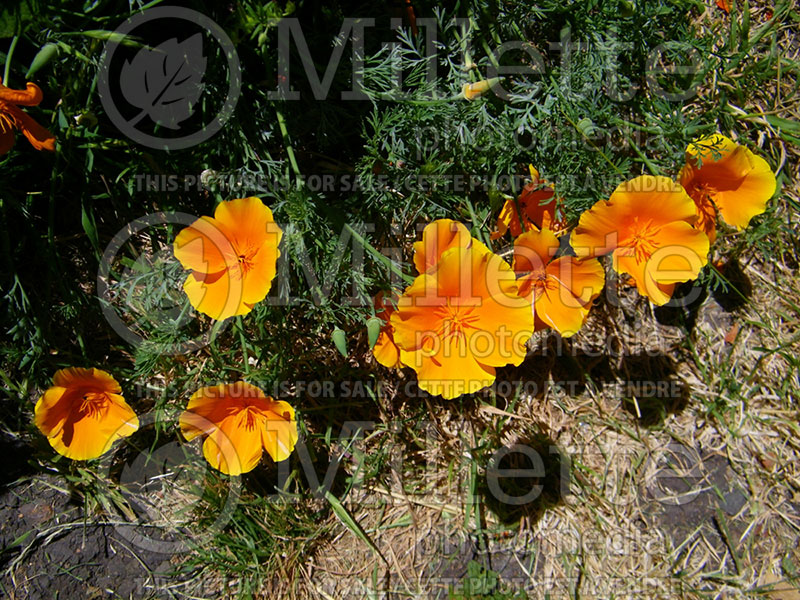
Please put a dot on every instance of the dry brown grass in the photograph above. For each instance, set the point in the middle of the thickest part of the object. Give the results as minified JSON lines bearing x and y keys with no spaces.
{"x":722,"y":522}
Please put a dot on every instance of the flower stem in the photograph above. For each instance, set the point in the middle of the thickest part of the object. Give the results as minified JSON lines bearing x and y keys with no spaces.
{"x":7,"y":69}
{"x":380,"y":257}
{"x":245,"y":358}
{"x":289,"y":150}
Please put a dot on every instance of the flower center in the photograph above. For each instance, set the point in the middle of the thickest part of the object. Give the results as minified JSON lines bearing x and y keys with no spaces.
{"x":244,"y":261}
{"x":544,"y":282}
{"x":7,"y":122}
{"x":93,"y":404}
{"x":704,"y":200}
{"x":642,"y":239}
{"x":249,"y":418}
{"x":455,"y":320}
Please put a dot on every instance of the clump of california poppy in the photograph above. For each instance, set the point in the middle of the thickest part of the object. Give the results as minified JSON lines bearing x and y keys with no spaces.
{"x":560,"y":289}
{"x":232,"y":257}
{"x":726,"y":179}
{"x":462,"y":316}
{"x":84,"y":413}
{"x":647,"y":226}
{"x":239,"y":421}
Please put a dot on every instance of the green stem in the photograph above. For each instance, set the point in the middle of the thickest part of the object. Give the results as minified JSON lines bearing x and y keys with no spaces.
{"x":7,"y":69}
{"x":654,"y":170}
{"x":245,"y":358}
{"x":476,"y":225}
{"x":591,"y":143}
{"x":212,"y":343}
{"x":289,"y":149}
{"x":378,"y":256}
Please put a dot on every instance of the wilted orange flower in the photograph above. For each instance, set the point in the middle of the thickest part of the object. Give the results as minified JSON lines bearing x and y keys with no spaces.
{"x":11,"y":118}
{"x":84,"y":413}
{"x":561,"y":289}
{"x":731,"y":180}
{"x":232,"y":256}
{"x":537,"y":206}
{"x":437,"y":237}
{"x":385,"y":350}
{"x":239,"y":422}
{"x":459,"y":320}
{"x":724,"y":5}
{"x":647,"y":225}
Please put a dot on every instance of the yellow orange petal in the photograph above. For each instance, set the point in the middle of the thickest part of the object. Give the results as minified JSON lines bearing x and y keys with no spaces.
{"x":438,"y":237}
{"x":561,"y":310}
{"x":452,"y":372}
{"x":385,"y":350}
{"x":279,"y":434}
{"x":249,"y":221}
{"x":257,"y":280}
{"x":232,"y":447}
{"x":583,"y":278}
{"x":654,"y":199}
{"x":533,"y":250}
{"x":508,"y":219}
{"x":469,"y":275}
{"x":205,"y":247}
{"x":682,"y":252}
{"x":416,"y":312}
{"x":219,"y":296}
{"x":207,"y":406}
{"x":83,"y":435}
{"x":739,"y":182}
{"x":52,"y":410}
{"x":625,"y":262}
{"x":92,"y":379}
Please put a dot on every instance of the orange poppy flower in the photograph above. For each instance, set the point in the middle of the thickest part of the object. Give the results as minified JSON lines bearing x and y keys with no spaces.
{"x":83,"y":414}
{"x":736,"y":183}
{"x":11,"y":118}
{"x":239,"y":422}
{"x":561,"y":289}
{"x":647,"y":225}
{"x":232,"y":257}
{"x":460,"y":320}
{"x":385,"y":350}
{"x":724,"y":5}
{"x":437,"y":237}
{"x":537,"y":206}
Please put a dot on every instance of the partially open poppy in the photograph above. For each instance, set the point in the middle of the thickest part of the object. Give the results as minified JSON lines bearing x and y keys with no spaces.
{"x":722,"y":176}
{"x":561,"y":289}
{"x":232,"y":257}
{"x":647,"y":225}
{"x":460,"y":320}
{"x":239,"y":422}
{"x":470,"y":91}
{"x":535,"y":208}
{"x":385,"y":350}
{"x":437,"y":237}
{"x":84,"y":413}
{"x":11,"y":118}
